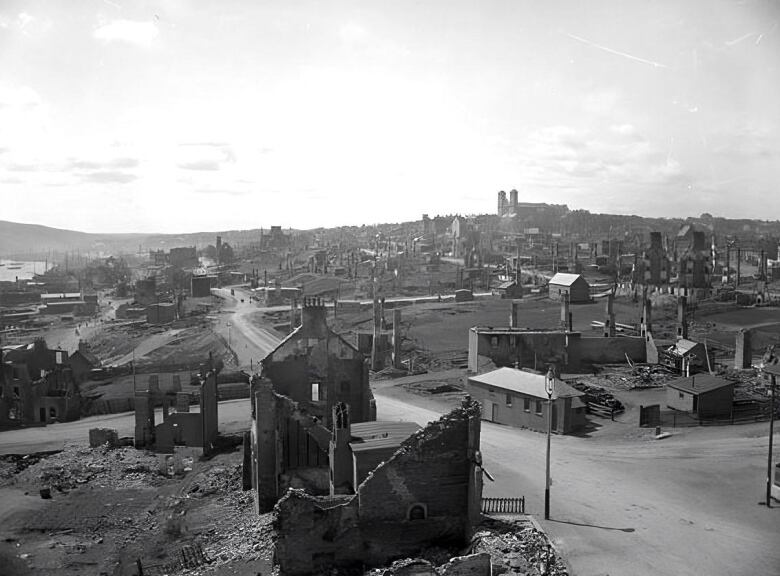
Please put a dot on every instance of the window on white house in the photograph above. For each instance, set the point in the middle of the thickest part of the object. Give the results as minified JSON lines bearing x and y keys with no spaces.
{"x":508,"y":399}
{"x":527,"y":404}
{"x":539,"y":407}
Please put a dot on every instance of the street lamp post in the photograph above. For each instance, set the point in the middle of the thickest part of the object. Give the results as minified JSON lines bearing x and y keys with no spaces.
{"x":773,"y":373}
{"x":549,"y":387}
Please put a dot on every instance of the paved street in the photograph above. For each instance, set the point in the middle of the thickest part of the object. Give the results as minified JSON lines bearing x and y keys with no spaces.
{"x":643,"y":507}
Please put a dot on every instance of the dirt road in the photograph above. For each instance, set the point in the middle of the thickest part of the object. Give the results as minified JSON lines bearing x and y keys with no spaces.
{"x":250,"y":342}
{"x":234,"y":416}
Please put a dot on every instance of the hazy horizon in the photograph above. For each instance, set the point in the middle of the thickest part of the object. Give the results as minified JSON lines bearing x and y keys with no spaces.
{"x":153,"y":116}
{"x":264,"y":226}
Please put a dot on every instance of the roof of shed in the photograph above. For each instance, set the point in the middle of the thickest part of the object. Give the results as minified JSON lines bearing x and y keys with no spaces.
{"x":524,"y":382}
{"x":700,"y":383}
{"x":564,"y":279}
{"x":683,"y":346}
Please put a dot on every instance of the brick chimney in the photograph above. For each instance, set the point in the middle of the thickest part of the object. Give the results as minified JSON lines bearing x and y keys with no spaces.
{"x":313,"y":318}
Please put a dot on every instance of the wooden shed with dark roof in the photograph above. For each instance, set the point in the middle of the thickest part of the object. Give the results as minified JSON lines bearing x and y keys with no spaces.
{"x":701,"y":395}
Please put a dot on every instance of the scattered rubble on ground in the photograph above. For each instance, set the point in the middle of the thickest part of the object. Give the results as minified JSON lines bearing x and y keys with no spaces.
{"x":517,"y":546}
{"x":77,"y":465}
{"x":108,"y":509}
{"x":499,"y":546}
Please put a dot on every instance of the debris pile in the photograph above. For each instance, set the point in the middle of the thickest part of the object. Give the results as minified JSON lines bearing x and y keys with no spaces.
{"x":224,"y":522}
{"x":621,"y":378}
{"x":517,"y":547}
{"x":13,"y":464}
{"x":498,"y":547}
{"x":76,"y":465}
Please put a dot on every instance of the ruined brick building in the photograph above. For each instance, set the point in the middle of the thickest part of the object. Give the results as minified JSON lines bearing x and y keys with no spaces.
{"x":303,"y":378}
{"x":36,"y":386}
{"x":428,"y":492}
{"x":348,"y":491}
{"x":655,"y":262}
{"x":317,"y":368}
{"x":179,"y":426}
{"x":694,"y":264}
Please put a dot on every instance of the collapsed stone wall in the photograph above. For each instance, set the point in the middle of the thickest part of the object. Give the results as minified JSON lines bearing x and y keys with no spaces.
{"x":428,"y":493}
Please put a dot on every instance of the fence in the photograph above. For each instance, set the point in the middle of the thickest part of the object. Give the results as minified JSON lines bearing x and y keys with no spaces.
{"x":651,"y":416}
{"x":503,"y":505}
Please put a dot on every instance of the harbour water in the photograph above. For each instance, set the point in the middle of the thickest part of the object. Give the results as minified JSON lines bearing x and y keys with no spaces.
{"x":10,"y":270}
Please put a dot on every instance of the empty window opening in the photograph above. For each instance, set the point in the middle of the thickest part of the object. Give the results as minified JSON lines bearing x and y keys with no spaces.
{"x":315,"y":391}
{"x":539,"y":407}
{"x":417,"y":512}
{"x":527,"y":404}
{"x":508,"y":399}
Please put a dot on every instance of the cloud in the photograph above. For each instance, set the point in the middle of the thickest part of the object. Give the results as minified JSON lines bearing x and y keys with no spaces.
{"x":142,"y":34}
{"x":109,"y":176}
{"x":601,"y":103}
{"x":110,"y":164}
{"x":19,"y":167}
{"x":17,"y":96}
{"x":353,"y":33}
{"x":743,"y":143}
{"x":626,"y":130}
{"x":205,"y":165}
{"x":224,"y":192}
{"x":205,"y":156}
{"x":11,"y":180}
{"x":569,"y":158}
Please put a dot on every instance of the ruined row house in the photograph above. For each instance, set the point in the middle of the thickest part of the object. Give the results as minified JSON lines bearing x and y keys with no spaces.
{"x":37,"y":386}
{"x":427,"y":492}
{"x":302,"y":379}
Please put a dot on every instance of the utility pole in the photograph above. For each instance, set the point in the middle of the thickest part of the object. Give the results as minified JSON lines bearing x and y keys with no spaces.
{"x":228,"y":327}
{"x":549,"y":387}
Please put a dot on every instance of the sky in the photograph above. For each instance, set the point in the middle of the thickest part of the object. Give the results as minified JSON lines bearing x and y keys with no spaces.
{"x":179,"y":116}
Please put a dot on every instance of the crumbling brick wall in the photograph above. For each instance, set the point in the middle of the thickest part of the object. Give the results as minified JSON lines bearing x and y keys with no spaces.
{"x":284,"y":437}
{"x":428,"y":493}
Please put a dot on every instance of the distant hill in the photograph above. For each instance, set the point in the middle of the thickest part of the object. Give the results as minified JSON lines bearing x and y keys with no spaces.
{"x":19,"y":239}
{"x":23,"y":240}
